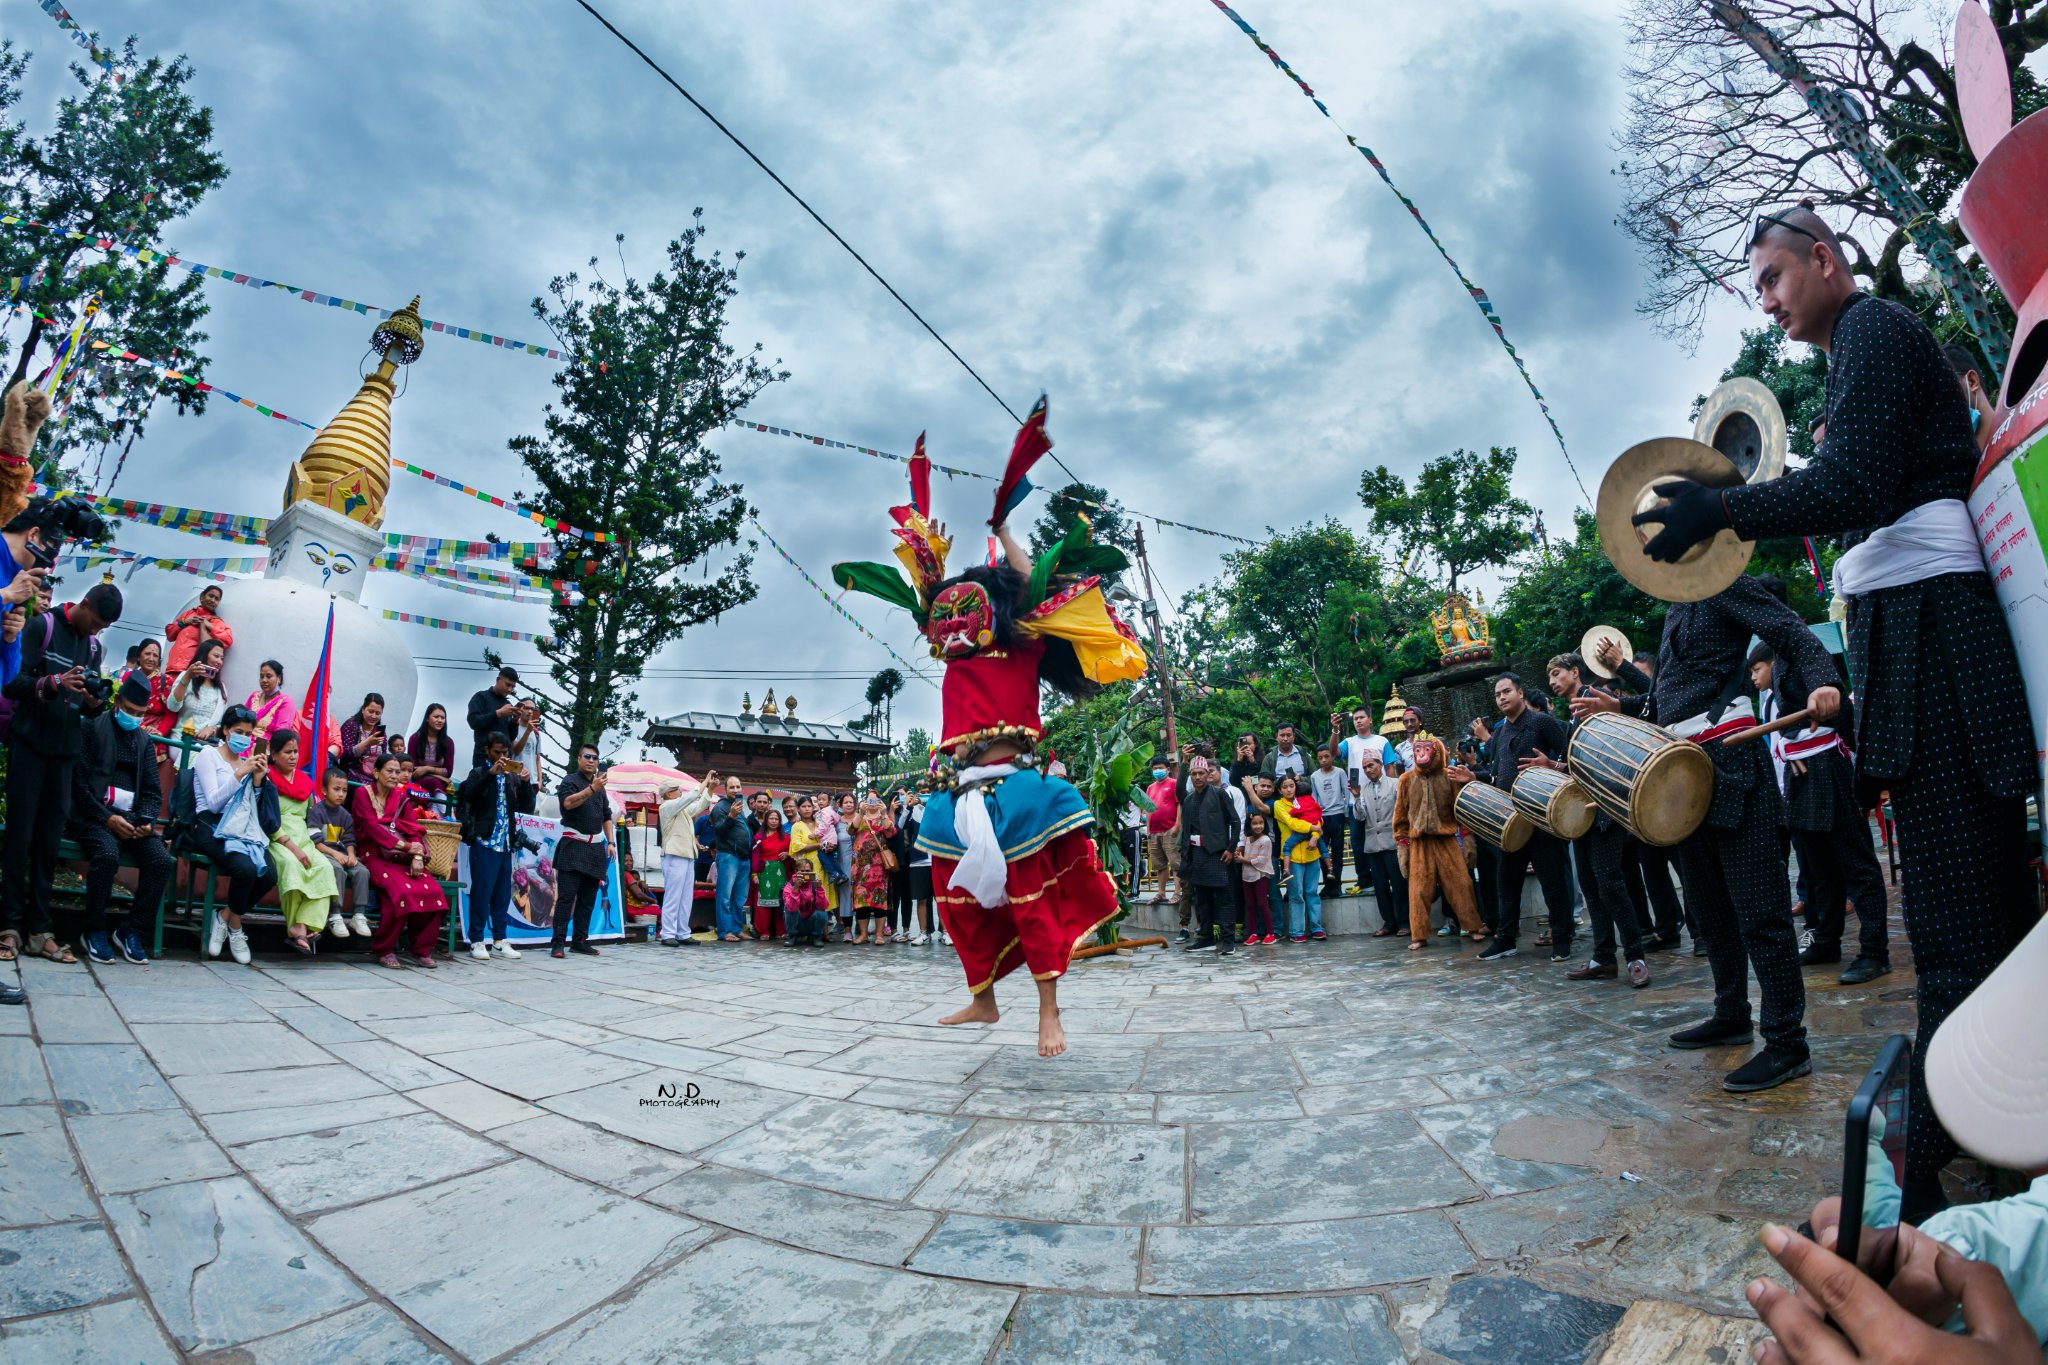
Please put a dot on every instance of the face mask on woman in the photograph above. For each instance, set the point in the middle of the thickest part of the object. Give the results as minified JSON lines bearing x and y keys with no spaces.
{"x":239,"y":743}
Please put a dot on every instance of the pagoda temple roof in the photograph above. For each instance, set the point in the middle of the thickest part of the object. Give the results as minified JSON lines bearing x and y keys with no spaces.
{"x":760,"y":729}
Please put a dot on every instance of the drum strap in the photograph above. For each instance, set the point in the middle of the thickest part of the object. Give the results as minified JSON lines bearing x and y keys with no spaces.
{"x":1818,"y":740}
{"x":1737,"y":714}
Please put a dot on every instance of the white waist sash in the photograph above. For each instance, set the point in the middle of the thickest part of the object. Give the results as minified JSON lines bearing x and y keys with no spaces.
{"x":1738,"y":709}
{"x":982,"y":872}
{"x":1932,"y":539}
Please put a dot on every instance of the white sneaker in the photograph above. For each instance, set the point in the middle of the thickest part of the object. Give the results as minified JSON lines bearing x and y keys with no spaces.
{"x":238,"y":946}
{"x":481,"y":950}
{"x":337,"y":926}
{"x":217,"y":934}
{"x":503,"y":948}
{"x":357,"y":924}
{"x":945,"y":938}
{"x":921,"y":941}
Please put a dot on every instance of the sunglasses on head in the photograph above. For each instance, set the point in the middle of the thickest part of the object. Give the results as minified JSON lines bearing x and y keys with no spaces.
{"x":1765,"y":222}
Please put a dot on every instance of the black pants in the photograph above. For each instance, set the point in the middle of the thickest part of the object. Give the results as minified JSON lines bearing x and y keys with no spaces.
{"x":154,"y":868}
{"x":1216,"y":913}
{"x":1602,"y":859}
{"x":38,"y":801}
{"x":575,"y":898}
{"x":1333,"y":853}
{"x":1552,"y":863}
{"x":1648,"y":869}
{"x":1968,"y":899}
{"x":248,"y":878}
{"x":899,"y":897}
{"x":1389,"y":887}
{"x":1741,"y":903}
{"x":1841,"y":866}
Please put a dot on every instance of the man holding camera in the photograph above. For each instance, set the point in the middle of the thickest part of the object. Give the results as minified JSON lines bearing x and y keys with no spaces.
{"x":489,"y":802}
{"x":583,"y":857}
{"x":116,"y":805}
{"x":59,"y":683}
{"x":494,"y":711}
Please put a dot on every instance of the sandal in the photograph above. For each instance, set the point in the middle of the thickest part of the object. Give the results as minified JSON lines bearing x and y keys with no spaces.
{"x":302,"y":944}
{"x":46,"y":947}
{"x":1543,"y":939}
{"x":10,"y":945}
{"x":1385,"y":933}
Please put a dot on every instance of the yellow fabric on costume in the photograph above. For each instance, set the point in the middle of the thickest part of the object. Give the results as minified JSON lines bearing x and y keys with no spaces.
{"x":1106,"y":650}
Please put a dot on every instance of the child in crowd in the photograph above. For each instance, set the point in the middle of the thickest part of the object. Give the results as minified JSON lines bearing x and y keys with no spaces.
{"x":1255,"y":869}
{"x":1310,"y":812}
{"x":827,"y":819}
{"x":771,"y":868}
{"x":333,"y":828}
{"x":805,"y":912}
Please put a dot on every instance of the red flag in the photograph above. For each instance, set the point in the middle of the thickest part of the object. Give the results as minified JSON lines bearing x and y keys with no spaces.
{"x":314,"y":715}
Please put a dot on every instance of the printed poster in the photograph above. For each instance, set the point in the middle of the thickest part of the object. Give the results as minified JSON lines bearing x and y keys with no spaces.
{"x":534,"y":891}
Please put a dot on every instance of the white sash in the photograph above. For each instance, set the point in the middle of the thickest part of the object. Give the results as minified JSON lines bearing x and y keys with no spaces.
{"x":1932,"y":539}
{"x":982,"y":872}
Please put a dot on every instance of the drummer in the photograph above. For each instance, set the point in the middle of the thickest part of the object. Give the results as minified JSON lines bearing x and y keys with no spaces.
{"x":1733,"y":866}
{"x":1522,"y":735}
{"x":1602,"y":860}
{"x":1943,"y":719}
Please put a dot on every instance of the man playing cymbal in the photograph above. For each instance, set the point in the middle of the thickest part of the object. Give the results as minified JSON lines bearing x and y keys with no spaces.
{"x":1896,"y":461}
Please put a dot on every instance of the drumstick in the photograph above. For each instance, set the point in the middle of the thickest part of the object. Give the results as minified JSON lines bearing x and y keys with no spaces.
{"x":1791,"y":722}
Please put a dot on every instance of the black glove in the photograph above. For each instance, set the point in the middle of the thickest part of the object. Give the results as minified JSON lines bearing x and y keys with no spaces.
{"x":1693,"y":514}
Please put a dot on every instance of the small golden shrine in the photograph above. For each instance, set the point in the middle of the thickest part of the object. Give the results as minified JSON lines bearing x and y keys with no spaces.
{"x":1463,"y":633}
{"x":347,"y":468}
{"x":1390,"y":719}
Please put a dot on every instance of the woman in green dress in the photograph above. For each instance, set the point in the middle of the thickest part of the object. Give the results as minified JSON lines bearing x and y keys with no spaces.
{"x":306,"y":890}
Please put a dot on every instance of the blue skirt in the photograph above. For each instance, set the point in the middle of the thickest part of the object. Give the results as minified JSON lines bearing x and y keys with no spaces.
{"x":1029,"y":811}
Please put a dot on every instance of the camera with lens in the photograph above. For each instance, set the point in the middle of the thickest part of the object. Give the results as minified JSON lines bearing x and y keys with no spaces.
{"x":58,"y":520}
{"x":99,"y":687}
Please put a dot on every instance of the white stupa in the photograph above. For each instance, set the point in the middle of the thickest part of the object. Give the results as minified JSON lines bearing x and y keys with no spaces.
{"x":321,"y":548}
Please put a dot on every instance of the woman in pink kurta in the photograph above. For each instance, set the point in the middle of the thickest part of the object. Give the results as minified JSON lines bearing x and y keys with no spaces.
{"x":275,"y":710}
{"x":410,"y":903}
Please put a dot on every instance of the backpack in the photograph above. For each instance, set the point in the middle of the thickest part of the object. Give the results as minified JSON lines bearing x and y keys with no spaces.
{"x":183,"y":820}
{"x":7,"y":706}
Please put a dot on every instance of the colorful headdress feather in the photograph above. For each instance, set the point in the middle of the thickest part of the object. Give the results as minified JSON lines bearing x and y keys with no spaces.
{"x":1030,"y":445}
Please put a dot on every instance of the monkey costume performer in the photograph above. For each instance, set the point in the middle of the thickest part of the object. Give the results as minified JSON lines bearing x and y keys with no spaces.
{"x":1015,"y":872}
{"x":1426,"y":831}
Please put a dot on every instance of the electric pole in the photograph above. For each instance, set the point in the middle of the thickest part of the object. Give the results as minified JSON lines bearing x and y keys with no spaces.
{"x":1160,"y":663}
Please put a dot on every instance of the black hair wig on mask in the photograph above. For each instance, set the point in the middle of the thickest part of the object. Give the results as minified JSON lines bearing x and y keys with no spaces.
{"x":1059,"y":667}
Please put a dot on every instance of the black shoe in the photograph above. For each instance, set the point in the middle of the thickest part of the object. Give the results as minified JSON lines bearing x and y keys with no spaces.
{"x":1201,"y":945}
{"x":558,"y":951}
{"x":11,"y":994}
{"x":1561,"y":955}
{"x":583,"y":948}
{"x":1183,"y":936}
{"x":1665,"y":945}
{"x":1497,"y":950}
{"x":1225,"y":950}
{"x":1865,"y":969}
{"x":1773,"y":1066}
{"x":1714,"y":1033}
{"x":1818,"y":956}
{"x":1699,"y":949}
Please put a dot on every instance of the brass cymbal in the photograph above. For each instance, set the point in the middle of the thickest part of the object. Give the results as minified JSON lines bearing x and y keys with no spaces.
{"x":1589,"y":646}
{"x":1743,"y":421}
{"x":1627,"y":489}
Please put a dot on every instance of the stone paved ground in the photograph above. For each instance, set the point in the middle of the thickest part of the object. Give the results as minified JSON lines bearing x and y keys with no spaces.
{"x":1327,"y":1152}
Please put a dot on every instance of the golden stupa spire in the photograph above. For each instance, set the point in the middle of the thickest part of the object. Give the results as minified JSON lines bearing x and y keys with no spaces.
{"x":348,"y":465}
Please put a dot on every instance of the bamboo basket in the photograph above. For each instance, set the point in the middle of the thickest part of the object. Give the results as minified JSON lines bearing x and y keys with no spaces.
{"x":443,"y":839}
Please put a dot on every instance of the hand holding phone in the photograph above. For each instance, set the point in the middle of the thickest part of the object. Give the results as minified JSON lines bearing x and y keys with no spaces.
{"x":1874,"y":1162}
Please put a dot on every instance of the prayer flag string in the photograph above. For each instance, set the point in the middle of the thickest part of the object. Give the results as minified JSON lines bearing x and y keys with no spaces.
{"x":1477,"y":294}
{"x":100,"y":57}
{"x":442,"y":623}
{"x":560,"y":527}
{"x":831,"y":601}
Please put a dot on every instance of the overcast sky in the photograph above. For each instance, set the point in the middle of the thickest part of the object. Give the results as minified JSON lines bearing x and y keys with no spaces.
{"x":1122,"y":204}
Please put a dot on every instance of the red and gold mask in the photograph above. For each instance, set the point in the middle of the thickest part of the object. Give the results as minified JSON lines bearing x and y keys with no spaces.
{"x":962,"y":621}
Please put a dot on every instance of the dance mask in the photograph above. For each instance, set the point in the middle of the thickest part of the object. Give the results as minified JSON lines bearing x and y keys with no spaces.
{"x":961,"y":622}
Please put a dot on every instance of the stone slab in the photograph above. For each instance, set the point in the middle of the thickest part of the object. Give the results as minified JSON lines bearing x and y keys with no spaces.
{"x":185,"y":1005}
{"x":1362,"y":1097}
{"x":1038,"y":1255}
{"x":1652,"y":1333}
{"x":1063,"y":1172}
{"x":1098,"y":1106}
{"x":541,"y":1068}
{"x":1242,"y":1106}
{"x":1563,"y":1221}
{"x":216,"y":1049}
{"x":473,"y":1105}
{"x":129,"y":1152}
{"x":105,"y":1078}
{"x":295,"y":1086}
{"x":393,"y":1001}
{"x":253,"y":1125}
{"x":221,"y":1265}
{"x":321,"y":1025}
{"x":1204,"y":1071}
{"x":621,"y":1163}
{"x":817,"y":1220}
{"x":433,"y":1034}
{"x":1073,"y":1329}
{"x":57,"y":1266}
{"x":1341,"y":1166}
{"x":852,"y":1148}
{"x":822,"y":1309}
{"x":39,"y":1180}
{"x":1285,"y":1258}
{"x":618,"y":1108}
{"x":797,"y":1080}
{"x":76,"y":1018}
{"x":1488,"y":1320}
{"x":392,"y":1064}
{"x":907,"y":1060}
{"x":364,"y":1161}
{"x":120,"y":1332}
{"x":369,"y":1334}
{"x":442,"y":1257}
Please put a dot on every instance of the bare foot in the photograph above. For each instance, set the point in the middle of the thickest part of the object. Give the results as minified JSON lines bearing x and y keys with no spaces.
{"x":1418,"y":945}
{"x":981,"y":1010}
{"x":1052,"y":1039}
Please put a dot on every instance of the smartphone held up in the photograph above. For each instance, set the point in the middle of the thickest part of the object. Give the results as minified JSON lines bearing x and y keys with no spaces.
{"x":1874,"y":1161}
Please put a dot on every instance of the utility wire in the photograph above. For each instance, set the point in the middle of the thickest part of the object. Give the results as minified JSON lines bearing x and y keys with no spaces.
{"x":766,"y":170}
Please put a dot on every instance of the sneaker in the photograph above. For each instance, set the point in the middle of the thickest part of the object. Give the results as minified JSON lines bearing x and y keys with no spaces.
{"x":556,"y":951}
{"x":1817,"y":955}
{"x":1805,"y":935}
{"x":1699,"y":949}
{"x":1714,"y":1033}
{"x":1447,"y":931}
{"x":1561,"y":955}
{"x":131,"y":946}
{"x":11,"y":994}
{"x":923,"y":940}
{"x":238,"y":946}
{"x":1225,"y":950}
{"x":1665,"y":945}
{"x":1201,"y":945}
{"x":216,"y":934}
{"x":1638,"y":974}
{"x":584,"y":949}
{"x":503,"y":948}
{"x":945,"y":938}
{"x":1297,"y":938}
{"x":359,"y":925}
{"x":1773,"y":1066}
{"x":1497,"y":950}
{"x":1270,"y":938}
{"x":1183,"y":937}
{"x":100,"y":947}
{"x":481,"y":950}
{"x":1865,"y":969}
{"x":337,"y":926}
{"x":1319,"y":936}
{"x":1593,"y":971}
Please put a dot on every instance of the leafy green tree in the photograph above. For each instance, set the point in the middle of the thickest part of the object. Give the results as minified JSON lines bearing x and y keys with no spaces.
{"x":624,"y":452}
{"x":881,"y":699}
{"x":121,"y":163}
{"x":1109,"y":523}
{"x":1275,"y":597}
{"x":1566,"y":589}
{"x":1460,"y":513}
